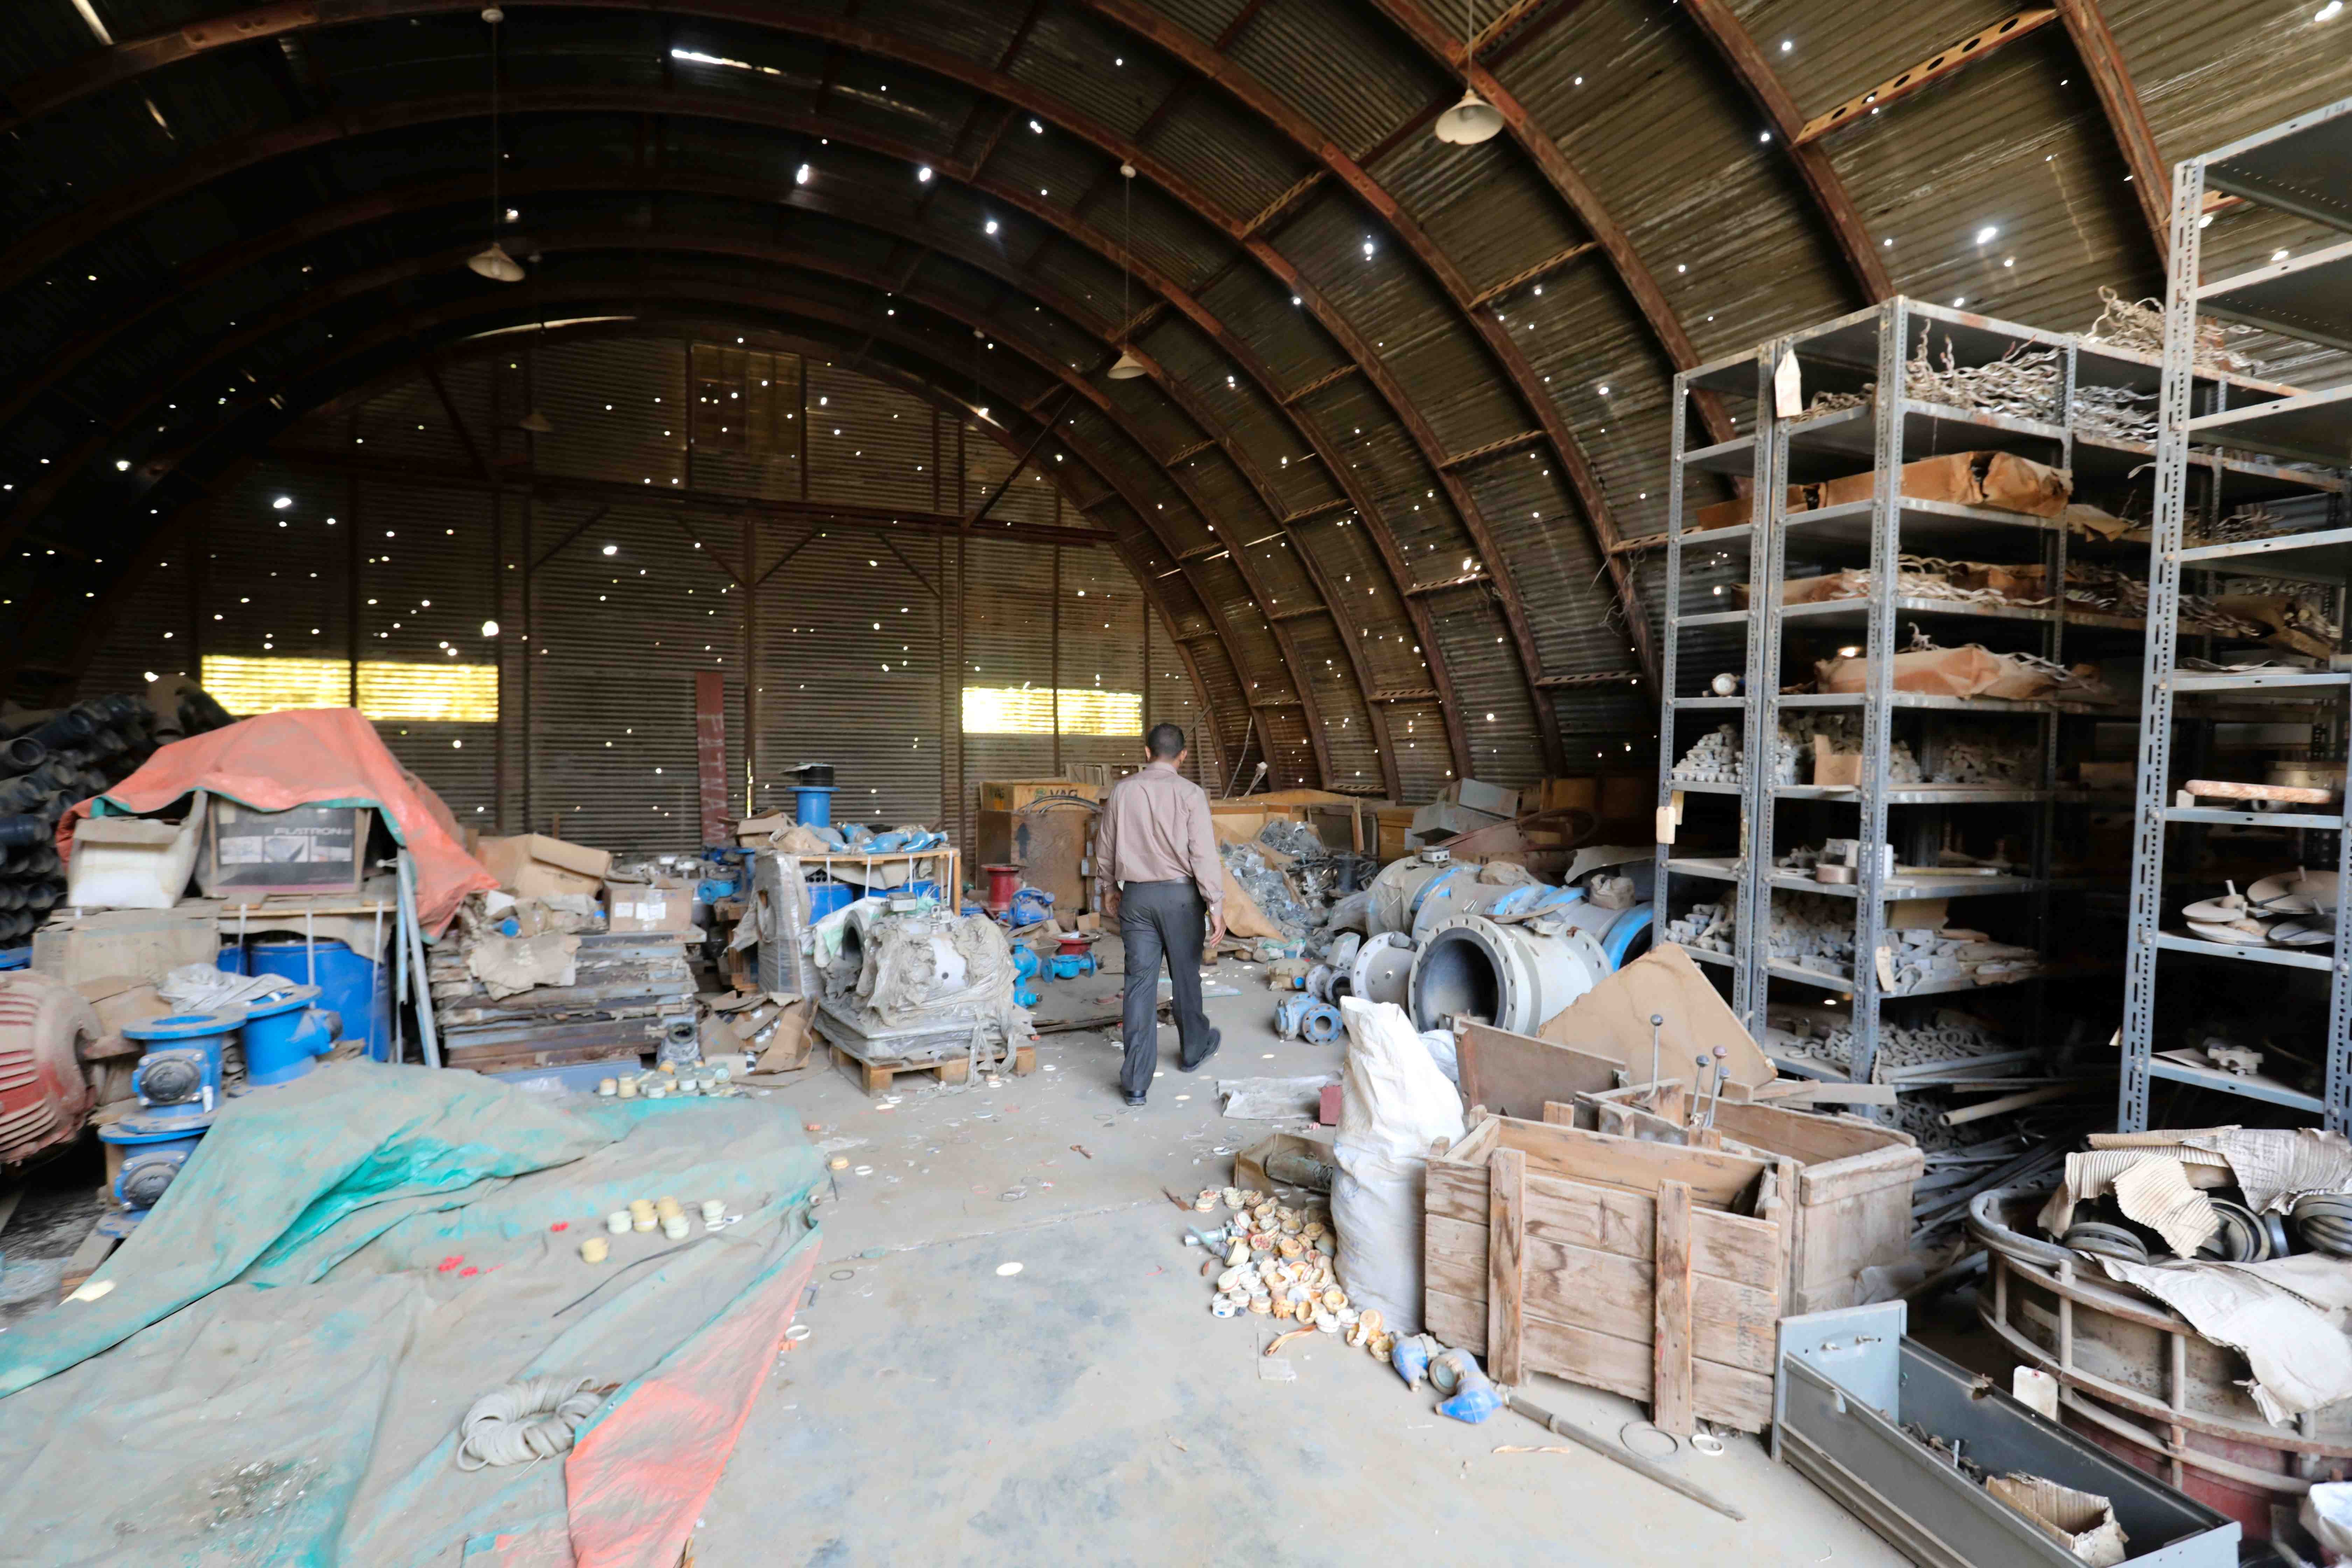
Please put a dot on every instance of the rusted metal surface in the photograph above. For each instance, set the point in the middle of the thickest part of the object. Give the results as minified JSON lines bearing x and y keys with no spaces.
{"x":2152,"y":181}
{"x":655,"y":520}
{"x":1722,"y":28}
{"x":1401,"y":461}
{"x":1934,"y":68}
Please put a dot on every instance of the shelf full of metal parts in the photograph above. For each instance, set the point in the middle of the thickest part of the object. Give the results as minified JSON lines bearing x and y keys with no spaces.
{"x":2293,"y":167}
{"x":1722,"y":665}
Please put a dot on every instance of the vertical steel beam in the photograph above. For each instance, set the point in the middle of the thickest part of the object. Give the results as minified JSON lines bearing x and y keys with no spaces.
{"x":2176,"y":402}
{"x":1878,"y":695}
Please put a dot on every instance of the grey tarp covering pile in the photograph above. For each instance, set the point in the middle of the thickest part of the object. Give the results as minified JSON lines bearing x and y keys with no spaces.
{"x":277,"y":1376}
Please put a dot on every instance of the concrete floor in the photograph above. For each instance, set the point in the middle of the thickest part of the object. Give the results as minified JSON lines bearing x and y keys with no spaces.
{"x":1089,"y":1408}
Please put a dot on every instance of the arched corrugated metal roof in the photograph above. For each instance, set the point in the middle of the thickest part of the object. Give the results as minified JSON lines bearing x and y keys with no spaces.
{"x":1374,"y":361}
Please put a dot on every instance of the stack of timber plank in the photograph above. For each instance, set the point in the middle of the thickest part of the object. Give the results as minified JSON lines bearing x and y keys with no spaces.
{"x":630,"y":989}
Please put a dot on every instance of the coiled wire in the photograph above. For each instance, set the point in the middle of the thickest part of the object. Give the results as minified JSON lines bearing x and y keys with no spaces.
{"x":527,"y":1420}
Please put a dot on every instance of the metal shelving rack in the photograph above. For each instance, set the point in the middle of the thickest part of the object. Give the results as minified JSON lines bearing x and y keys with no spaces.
{"x":1876,"y":438}
{"x":2302,"y":167}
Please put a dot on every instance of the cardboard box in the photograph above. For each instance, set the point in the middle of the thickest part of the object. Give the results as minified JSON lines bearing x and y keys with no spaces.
{"x":1473,"y":795}
{"x":1733,"y":512}
{"x":133,"y":862}
{"x":1833,"y":769}
{"x":139,"y":944}
{"x":1999,"y":481}
{"x":1442,"y":819}
{"x":1050,"y":844}
{"x":249,"y":855}
{"x":663,"y":904}
{"x":755,"y":832}
{"x":1395,"y":830}
{"x":1012,"y":794}
{"x":532,"y":865}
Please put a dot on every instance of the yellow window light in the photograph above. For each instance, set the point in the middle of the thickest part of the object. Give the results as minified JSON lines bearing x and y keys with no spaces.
{"x":450,"y":693}
{"x":1029,"y":711}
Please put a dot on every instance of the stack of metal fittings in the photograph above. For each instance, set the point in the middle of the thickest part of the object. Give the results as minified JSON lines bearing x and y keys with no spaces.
{"x":45,"y":1093}
{"x":2322,"y":1223}
{"x":707,"y":1082}
{"x":1708,"y":926}
{"x":1713,"y":758}
{"x":2290,"y":908}
{"x":47,"y":764}
{"x":178,"y":1086}
{"x":1278,"y":1264}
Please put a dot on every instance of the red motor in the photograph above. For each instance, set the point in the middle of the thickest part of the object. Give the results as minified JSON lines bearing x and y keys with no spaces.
{"x":44,"y":1098}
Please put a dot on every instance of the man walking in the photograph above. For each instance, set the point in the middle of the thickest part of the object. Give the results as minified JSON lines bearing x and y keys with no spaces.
{"x":1156,"y":868}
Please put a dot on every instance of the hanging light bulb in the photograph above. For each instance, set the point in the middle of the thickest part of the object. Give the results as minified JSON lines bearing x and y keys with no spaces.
{"x":1470,"y":121}
{"x":492,"y":261}
{"x":1474,"y":119}
{"x":1127,"y":367}
{"x":536,"y":423}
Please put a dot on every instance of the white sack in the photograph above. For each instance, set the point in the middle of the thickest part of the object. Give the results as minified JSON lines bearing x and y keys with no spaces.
{"x":1394,"y":1102}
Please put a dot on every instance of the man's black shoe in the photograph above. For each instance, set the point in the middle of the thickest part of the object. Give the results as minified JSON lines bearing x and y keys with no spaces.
{"x":1135,"y":1099}
{"x":1216,"y":1039}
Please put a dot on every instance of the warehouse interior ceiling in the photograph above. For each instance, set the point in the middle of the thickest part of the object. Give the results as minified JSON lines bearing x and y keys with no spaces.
{"x":1375,"y":419}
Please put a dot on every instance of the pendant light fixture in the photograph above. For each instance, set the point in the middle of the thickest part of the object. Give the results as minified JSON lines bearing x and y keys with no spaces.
{"x":1474,"y":119}
{"x":1127,"y":367}
{"x":493,"y":262}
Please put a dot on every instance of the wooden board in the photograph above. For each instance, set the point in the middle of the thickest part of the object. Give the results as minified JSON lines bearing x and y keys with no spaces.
{"x":1670,"y":1398}
{"x":1733,"y":1247}
{"x":94,"y":1249}
{"x":1719,"y":1393}
{"x":1735,"y":1324}
{"x":1506,"y":1174}
{"x":1513,"y":1075}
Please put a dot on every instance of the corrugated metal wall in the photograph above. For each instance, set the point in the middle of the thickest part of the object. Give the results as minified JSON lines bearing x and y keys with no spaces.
{"x":607,"y":608}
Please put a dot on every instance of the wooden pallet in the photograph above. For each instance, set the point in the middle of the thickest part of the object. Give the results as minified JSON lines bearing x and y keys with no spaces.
{"x":876,"y":1076}
{"x":95,"y":1249}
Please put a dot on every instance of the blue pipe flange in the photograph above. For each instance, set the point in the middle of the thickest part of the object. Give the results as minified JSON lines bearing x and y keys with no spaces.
{"x":285,"y":1036}
{"x":1628,"y":936}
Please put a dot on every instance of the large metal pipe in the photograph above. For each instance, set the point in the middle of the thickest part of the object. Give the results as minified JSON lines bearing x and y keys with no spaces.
{"x":1516,"y":976}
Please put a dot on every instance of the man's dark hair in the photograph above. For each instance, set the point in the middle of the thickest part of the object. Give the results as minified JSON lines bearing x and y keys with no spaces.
{"x":1164,"y":740}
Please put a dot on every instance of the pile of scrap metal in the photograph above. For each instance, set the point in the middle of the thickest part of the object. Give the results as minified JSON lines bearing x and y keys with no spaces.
{"x":903,"y":982}
{"x":541,"y":982}
{"x":1296,"y":881}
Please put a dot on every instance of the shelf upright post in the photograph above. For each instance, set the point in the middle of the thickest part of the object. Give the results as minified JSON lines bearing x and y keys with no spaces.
{"x":1878,"y":694}
{"x":2173,"y":411}
{"x":1759,"y":720}
{"x":1670,"y":656}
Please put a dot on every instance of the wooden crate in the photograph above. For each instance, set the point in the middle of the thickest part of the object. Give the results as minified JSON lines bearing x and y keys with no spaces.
{"x":1613,"y":1263}
{"x":1853,"y":1209}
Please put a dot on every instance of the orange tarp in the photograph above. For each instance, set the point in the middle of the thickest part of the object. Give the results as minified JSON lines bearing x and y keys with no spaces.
{"x":311,"y":756}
